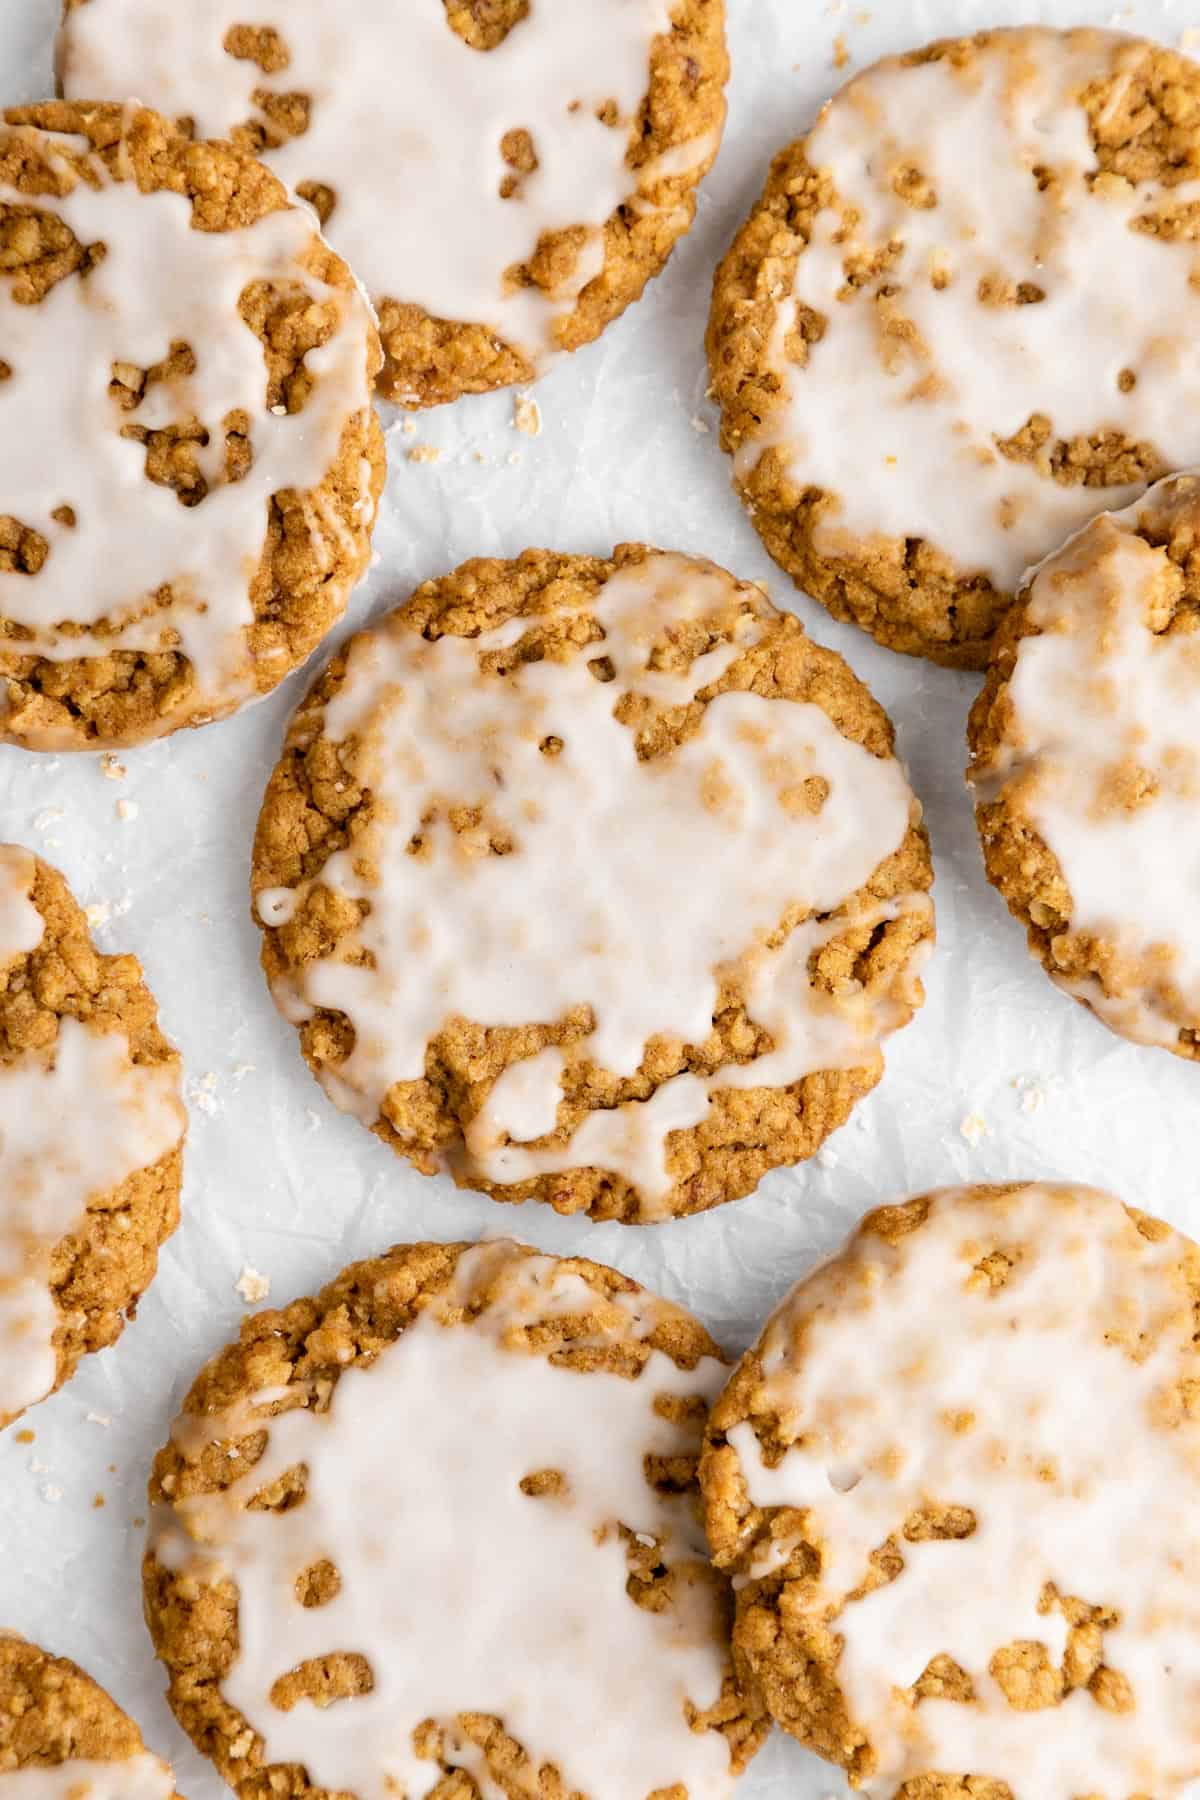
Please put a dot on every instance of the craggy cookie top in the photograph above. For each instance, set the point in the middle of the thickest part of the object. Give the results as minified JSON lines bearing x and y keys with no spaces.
{"x":63,"y":1738}
{"x":1086,"y":766}
{"x":91,"y":1124}
{"x":188,"y":456}
{"x":956,"y":1482}
{"x":454,"y":1494}
{"x":504,"y":176}
{"x":595,"y":881}
{"x":963,"y":317}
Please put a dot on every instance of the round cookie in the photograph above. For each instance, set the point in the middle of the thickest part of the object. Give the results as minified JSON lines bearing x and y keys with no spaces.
{"x":956,"y":1485}
{"x":454,"y":1494}
{"x":1085,"y":747}
{"x":961,"y":319}
{"x":593,"y":881}
{"x":63,"y":1738}
{"x":91,"y":1135}
{"x":503,"y":203}
{"x":189,"y":458}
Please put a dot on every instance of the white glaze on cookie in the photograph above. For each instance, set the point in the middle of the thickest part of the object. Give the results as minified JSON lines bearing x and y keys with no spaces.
{"x":1101,"y":756}
{"x":463,"y":1593}
{"x":74,"y":1122}
{"x":722,"y":825}
{"x":21,"y":924}
{"x":900,"y":405}
{"x":405,"y":126}
{"x":904,"y":1379}
{"x":141,"y":1777}
{"x":160,"y":282}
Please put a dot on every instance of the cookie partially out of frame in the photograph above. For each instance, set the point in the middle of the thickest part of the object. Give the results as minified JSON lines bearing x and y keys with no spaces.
{"x":91,"y":1135}
{"x":960,"y":320}
{"x":189,"y":458}
{"x":65,"y":1737}
{"x":504,"y":177}
{"x":356,"y":1490}
{"x":918,"y":1475}
{"x":1085,"y":748}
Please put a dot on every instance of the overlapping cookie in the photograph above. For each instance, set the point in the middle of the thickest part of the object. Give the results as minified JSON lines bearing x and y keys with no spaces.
{"x":189,"y":459}
{"x":504,"y":177}
{"x":961,"y":319}
{"x":1085,"y":744}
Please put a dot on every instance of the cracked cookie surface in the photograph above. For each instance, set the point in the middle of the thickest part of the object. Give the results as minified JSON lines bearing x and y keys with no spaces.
{"x":189,"y":458}
{"x":594,"y":881}
{"x":519,"y":1424}
{"x":917,"y":1495}
{"x":957,"y":323}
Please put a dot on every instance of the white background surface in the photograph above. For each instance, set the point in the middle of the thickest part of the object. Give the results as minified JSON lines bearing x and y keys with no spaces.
{"x":275,"y":1177}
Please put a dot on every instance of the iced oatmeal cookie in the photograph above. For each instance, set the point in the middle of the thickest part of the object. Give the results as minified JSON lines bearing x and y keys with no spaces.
{"x":504,"y":175}
{"x":956,"y":1483}
{"x":436,"y":1532}
{"x":63,"y":1738}
{"x":91,"y":1135}
{"x":593,"y":881}
{"x":961,"y":319}
{"x":1085,"y":745}
{"x":189,"y":459}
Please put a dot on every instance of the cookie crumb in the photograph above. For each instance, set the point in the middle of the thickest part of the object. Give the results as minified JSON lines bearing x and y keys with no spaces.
{"x":25,"y":1437}
{"x":99,"y":1418}
{"x":97,"y":1502}
{"x":975,"y":1128}
{"x":201,"y":1092}
{"x":51,"y":1493}
{"x":424,"y":453}
{"x":841,"y":55}
{"x":252,"y":1286}
{"x":127,"y":810}
{"x":112,"y":768}
{"x":700,"y":426}
{"x":1032,"y":1092}
{"x":527,"y":415}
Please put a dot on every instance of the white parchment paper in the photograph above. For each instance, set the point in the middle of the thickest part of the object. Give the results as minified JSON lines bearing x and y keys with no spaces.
{"x":999,"y":1077}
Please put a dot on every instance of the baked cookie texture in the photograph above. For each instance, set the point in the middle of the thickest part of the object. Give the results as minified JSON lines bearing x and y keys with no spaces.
{"x":1085,"y":761}
{"x":560,"y":1409}
{"x":594,"y":881}
{"x":518,"y":199}
{"x":917,"y":1490}
{"x":230,"y":366}
{"x":58,"y":1721}
{"x":955,"y":324}
{"x":91,"y":1135}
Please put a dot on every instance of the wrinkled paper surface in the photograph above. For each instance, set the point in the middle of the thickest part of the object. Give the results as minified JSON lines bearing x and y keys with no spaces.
{"x":999,"y":1077}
